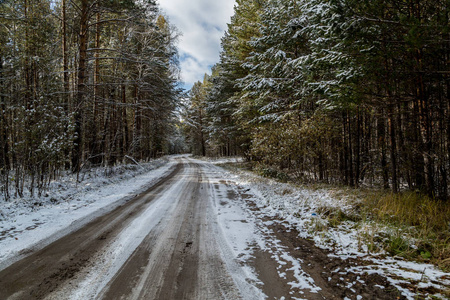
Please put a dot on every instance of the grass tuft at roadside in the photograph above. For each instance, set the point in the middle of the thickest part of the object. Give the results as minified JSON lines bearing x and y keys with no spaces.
{"x":420,"y":225}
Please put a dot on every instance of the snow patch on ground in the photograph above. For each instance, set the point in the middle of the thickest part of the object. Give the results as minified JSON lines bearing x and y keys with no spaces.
{"x":238,"y":231}
{"x":243,"y":231}
{"x":124,"y":245}
{"x":224,"y":160}
{"x":31,"y":223}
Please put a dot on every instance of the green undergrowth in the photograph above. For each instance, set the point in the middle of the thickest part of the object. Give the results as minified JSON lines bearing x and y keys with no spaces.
{"x":408,"y":224}
{"x":420,"y":226}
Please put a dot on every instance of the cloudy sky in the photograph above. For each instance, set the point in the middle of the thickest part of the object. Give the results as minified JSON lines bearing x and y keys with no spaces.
{"x":202,"y":23}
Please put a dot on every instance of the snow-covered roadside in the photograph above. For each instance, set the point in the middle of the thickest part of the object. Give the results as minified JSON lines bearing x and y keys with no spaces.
{"x":299,"y":208}
{"x":29,"y":223}
{"x":224,"y":160}
{"x":243,"y":232}
{"x":240,"y":227}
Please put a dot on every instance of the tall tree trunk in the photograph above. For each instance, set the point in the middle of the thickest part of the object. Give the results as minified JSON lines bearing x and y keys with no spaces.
{"x":26,"y":162}
{"x":382,"y":144}
{"x":345,"y":150}
{"x":97,"y":63}
{"x":66,"y":75}
{"x":446,"y":37}
{"x":4,"y":156}
{"x":358,"y":147}
{"x":393,"y":141}
{"x":419,"y":164}
{"x":81,"y":86}
{"x":426,"y":126}
{"x":124,"y":122}
{"x":443,"y":186}
{"x":95,"y":123}
{"x":202,"y":137}
{"x":64,"y":53}
{"x":350,"y":151}
{"x":137,"y":133}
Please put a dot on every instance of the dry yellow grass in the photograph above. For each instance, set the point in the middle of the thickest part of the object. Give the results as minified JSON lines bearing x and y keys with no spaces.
{"x":426,"y":220}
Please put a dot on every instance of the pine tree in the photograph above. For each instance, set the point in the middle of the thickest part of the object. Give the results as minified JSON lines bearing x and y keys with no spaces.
{"x":82,"y":82}
{"x":342,"y":91}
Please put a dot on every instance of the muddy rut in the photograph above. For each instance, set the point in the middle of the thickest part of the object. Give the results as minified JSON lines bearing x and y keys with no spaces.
{"x":179,"y":257}
{"x":42,"y":272}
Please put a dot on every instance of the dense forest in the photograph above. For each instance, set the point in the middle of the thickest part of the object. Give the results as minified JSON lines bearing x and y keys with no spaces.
{"x":82,"y":82}
{"x":351,"y":92}
{"x":338,"y":91}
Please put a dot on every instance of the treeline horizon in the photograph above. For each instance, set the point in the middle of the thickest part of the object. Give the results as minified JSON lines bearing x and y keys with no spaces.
{"x":337,"y":91}
{"x":82,"y":83}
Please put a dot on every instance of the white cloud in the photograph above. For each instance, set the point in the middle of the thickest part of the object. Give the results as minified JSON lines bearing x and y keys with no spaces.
{"x":202,"y":24}
{"x":192,"y":71}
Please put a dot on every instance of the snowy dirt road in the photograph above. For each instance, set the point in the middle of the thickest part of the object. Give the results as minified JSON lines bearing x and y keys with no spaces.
{"x":192,"y":235}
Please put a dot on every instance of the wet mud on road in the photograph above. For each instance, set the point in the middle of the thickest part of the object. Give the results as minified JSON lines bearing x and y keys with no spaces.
{"x":43,"y":271}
